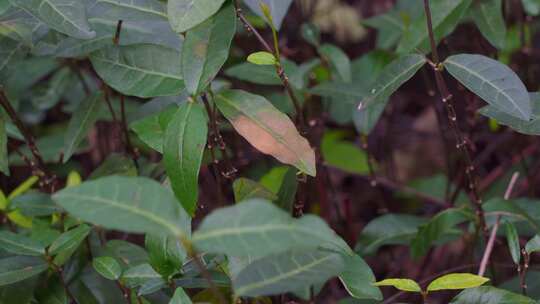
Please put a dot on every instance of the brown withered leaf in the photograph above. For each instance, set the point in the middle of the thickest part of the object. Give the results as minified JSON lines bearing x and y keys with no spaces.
{"x":267,"y":129}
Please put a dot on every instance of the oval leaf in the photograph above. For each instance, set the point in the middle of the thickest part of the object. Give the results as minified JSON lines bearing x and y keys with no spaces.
{"x":186,"y":14}
{"x":488,"y":16}
{"x":19,"y":244}
{"x":493,"y":81}
{"x":456,"y":281}
{"x":490,"y":295}
{"x":107,"y":267}
{"x":267,"y":129}
{"x":262,"y":58}
{"x":512,"y":239}
{"x":180,"y":297}
{"x":81,"y":122}
{"x":185,"y":140}
{"x":391,"y":78}
{"x":533,"y":245}
{"x":142,"y":70}
{"x":206,"y":49}
{"x":65,"y":16}
{"x":66,"y":244}
{"x":358,"y":279}
{"x":131,"y":204}
{"x":18,"y":268}
{"x":258,"y":228}
{"x":287,"y":272}
{"x":401,"y":284}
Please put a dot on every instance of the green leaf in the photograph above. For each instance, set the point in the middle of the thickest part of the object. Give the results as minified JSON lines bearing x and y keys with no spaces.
{"x":267,"y":129}
{"x":493,"y":81}
{"x":151,"y":130}
{"x":278,"y":9}
{"x":388,"y":229}
{"x":287,"y":272}
{"x":343,"y":154}
{"x":391,"y":78}
{"x":107,"y":267}
{"x":488,"y":16}
{"x":139,"y":275}
{"x":533,"y":245}
{"x":4,"y":164}
{"x":133,"y":32}
{"x":18,"y":268}
{"x":81,"y":122}
{"x":65,"y":16}
{"x":186,"y":14}
{"x":456,"y":281}
{"x":529,"y":127}
{"x":337,"y":88}
{"x":445,"y":16}
{"x":358,"y":279}
{"x":258,"y":74}
{"x":20,"y":245}
{"x":10,"y":51}
{"x":390,"y":26}
{"x":532,"y":7}
{"x":339,"y":61}
{"x":185,"y":140}
{"x":401,"y":284}
{"x":131,"y":204}
{"x":53,"y":293}
{"x":490,"y":295}
{"x":35,"y":204}
{"x":140,"y":70}
{"x":257,"y":228}
{"x":245,"y":189}
{"x":115,"y":164}
{"x":206,"y":49}
{"x":437,"y":227}
{"x":128,"y":10}
{"x":512,"y":239}
{"x":262,"y":58}
{"x":180,"y":297}
{"x":166,"y":254}
{"x":311,"y":33}
{"x":66,"y":244}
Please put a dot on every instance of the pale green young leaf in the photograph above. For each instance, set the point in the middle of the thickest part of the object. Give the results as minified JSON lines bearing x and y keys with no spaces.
{"x":140,"y":70}
{"x":490,"y":295}
{"x":186,"y":14}
{"x":17,"y":268}
{"x":257,"y":228}
{"x":533,"y":245}
{"x":20,"y":245}
{"x":81,"y":122}
{"x":512,"y":239}
{"x":456,"y":281}
{"x":65,"y":16}
{"x":287,"y":272}
{"x":492,"y":81}
{"x":488,"y":16}
{"x":107,"y":267}
{"x":183,"y":147}
{"x":401,"y":284}
{"x":262,"y":58}
{"x":342,"y":154}
{"x":131,"y":204}
{"x":206,"y":48}
{"x":267,"y":129}
{"x":391,"y":78}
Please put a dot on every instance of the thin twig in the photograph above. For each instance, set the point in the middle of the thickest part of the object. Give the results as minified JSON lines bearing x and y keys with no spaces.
{"x":116,"y":38}
{"x":129,"y":147}
{"x":491,"y":241}
{"x":461,"y":143}
{"x":48,"y":180}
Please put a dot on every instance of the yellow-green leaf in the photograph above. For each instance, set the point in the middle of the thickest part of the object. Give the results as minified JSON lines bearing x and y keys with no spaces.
{"x":401,"y":284}
{"x":457,"y":281}
{"x":262,"y":58}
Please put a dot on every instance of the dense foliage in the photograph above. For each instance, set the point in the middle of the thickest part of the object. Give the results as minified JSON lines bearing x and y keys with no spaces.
{"x":221,"y":151}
